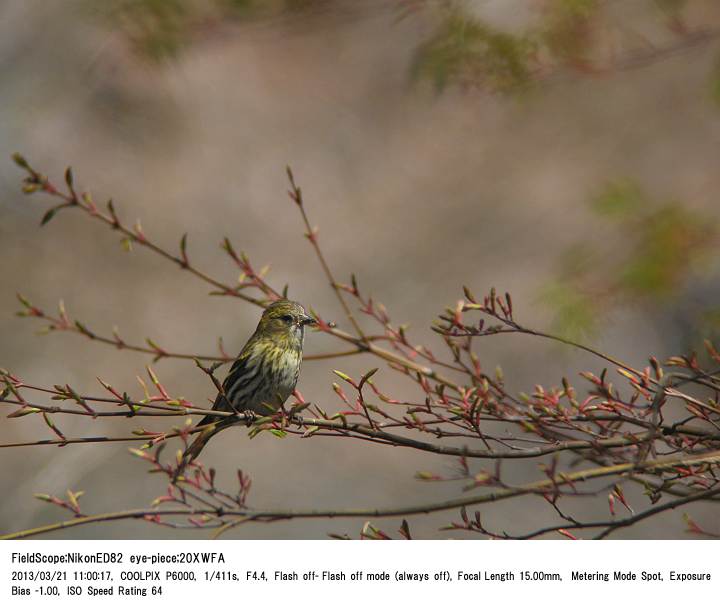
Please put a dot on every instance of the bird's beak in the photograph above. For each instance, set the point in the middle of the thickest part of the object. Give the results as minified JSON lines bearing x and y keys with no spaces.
{"x":306,"y":320}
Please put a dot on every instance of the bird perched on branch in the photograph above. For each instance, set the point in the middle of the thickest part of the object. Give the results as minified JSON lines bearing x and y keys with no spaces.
{"x":264,"y":374}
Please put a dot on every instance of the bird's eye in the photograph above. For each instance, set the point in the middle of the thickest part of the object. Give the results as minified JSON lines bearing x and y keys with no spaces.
{"x":287,"y":318}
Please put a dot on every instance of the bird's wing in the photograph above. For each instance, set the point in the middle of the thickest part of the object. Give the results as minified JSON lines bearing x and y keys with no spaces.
{"x":242,"y":378}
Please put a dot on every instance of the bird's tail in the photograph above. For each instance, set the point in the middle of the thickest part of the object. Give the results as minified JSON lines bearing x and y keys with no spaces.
{"x":191,"y":452}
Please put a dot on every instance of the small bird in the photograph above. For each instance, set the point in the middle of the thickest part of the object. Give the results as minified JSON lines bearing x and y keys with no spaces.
{"x":264,"y":374}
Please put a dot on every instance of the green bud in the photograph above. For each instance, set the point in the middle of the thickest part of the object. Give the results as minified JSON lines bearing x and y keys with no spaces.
{"x":20,"y":161}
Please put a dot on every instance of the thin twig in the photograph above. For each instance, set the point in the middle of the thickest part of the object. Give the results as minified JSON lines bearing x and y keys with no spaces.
{"x":426,"y":508}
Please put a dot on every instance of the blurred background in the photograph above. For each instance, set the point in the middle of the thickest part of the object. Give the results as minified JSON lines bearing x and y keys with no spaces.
{"x":562,"y":150}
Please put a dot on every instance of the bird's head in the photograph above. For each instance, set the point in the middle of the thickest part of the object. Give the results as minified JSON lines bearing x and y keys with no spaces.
{"x":284,"y":321}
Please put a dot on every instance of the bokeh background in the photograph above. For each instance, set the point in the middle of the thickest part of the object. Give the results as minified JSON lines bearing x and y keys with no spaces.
{"x":562,"y":150}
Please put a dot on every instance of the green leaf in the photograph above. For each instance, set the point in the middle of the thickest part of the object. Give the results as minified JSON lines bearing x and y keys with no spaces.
{"x":25,"y":410}
{"x":366,"y":377}
{"x":344,"y":377}
{"x":48,"y":216}
{"x":138,"y":453}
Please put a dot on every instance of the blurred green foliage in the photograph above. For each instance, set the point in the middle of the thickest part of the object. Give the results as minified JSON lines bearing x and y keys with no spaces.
{"x":672,"y":8}
{"x":662,"y":243}
{"x":469,"y":51}
{"x":656,"y":247}
{"x":620,"y":198}
{"x":668,"y":243}
{"x":462,"y":48}
{"x":574,"y":313}
{"x":466,"y":49}
{"x":159,"y":29}
{"x":710,"y":322}
{"x":565,"y":31}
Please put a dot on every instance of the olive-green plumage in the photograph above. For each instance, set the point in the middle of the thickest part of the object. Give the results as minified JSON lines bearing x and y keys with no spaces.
{"x":264,"y":374}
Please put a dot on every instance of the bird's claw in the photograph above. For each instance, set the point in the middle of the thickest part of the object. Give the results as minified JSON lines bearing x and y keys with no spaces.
{"x":250,"y":417}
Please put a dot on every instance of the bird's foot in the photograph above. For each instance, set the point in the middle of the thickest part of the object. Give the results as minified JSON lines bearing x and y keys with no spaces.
{"x":250,"y":417}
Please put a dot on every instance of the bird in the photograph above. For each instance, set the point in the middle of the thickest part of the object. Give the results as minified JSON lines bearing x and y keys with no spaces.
{"x":262,"y":376}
